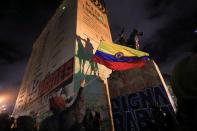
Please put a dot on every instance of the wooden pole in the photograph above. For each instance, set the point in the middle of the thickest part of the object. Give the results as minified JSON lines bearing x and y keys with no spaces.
{"x":165,"y":87}
{"x":110,"y":107}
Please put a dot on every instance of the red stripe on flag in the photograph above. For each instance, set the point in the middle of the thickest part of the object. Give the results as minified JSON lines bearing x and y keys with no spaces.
{"x":119,"y":65}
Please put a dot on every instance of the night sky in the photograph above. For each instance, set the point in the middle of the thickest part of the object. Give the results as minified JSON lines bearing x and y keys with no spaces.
{"x":168,"y":25}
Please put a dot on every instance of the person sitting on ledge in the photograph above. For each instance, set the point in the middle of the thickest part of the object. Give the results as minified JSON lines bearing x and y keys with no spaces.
{"x":133,"y":41}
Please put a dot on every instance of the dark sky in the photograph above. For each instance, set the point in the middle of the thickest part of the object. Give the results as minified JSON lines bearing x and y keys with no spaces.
{"x":168,"y":25}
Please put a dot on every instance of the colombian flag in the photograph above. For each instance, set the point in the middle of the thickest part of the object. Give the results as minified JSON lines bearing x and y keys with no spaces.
{"x":117,"y":57}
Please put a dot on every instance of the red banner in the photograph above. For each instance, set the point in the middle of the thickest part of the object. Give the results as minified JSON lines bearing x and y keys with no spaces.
{"x":51,"y":81}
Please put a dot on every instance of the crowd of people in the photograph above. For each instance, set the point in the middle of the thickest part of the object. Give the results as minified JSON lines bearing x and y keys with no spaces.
{"x":60,"y":120}
{"x":57,"y":122}
{"x":22,"y":123}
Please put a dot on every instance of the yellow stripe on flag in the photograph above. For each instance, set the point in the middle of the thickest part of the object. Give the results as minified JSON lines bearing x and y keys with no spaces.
{"x":112,"y":49}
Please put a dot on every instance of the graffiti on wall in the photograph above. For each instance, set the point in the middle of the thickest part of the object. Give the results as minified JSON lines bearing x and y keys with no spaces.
{"x":136,"y":111}
{"x":139,"y":100}
{"x":63,"y":73}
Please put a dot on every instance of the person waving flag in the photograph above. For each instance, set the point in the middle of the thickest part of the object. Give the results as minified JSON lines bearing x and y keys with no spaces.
{"x":118,"y":57}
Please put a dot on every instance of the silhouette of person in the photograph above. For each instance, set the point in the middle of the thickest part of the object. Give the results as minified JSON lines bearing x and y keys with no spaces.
{"x":97,"y":121}
{"x":70,"y":119}
{"x":133,"y":40}
{"x":25,"y":123}
{"x":85,"y":53}
{"x":51,"y":123}
{"x":80,"y":54}
{"x":121,"y":38}
{"x":88,"y":120}
{"x":64,"y":119}
{"x":3,"y":121}
{"x":89,"y":50}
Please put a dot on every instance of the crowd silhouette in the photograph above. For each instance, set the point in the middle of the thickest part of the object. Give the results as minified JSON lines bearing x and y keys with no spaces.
{"x":22,"y":123}
{"x":62,"y":118}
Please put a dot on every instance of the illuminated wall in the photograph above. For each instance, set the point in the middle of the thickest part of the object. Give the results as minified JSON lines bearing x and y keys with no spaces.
{"x":61,"y":58}
{"x":52,"y":54}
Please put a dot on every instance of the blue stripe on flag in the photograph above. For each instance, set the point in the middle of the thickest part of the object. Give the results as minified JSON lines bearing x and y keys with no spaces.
{"x":109,"y":57}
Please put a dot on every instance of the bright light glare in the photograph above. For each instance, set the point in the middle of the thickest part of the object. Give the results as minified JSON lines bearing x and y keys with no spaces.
{"x":63,"y":8}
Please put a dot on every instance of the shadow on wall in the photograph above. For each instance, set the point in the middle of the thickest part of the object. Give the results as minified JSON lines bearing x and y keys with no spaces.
{"x":80,"y":114}
{"x":85,"y":53}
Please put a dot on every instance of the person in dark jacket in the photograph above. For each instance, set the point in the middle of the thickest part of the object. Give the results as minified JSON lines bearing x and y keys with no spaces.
{"x":72,"y":117}
{"x":25,"y":123}
{"x":3,"y":121}
{"x":97,"y":121}
{"x":133,"y":41}
{"x":88,"y":120}
{"x":63,"y":119}
{"x":51,"y":123}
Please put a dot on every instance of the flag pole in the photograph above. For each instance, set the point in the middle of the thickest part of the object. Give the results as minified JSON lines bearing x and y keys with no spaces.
{"x":87,"y":71}
{"x":108,"y":99}
{"x":165,"y":86}
{"x":110,"y":107}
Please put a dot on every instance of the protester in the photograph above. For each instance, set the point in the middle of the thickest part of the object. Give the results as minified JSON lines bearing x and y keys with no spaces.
{"x":121,"y":38}
{"x":63,"y":119}
{"x":88,"y":120}
{"x":71,"y":118}
{"x":25,"y":123}
{"x":51,"y":123}
{"x":97,"y":122}
{"x":11,"y":123}
{"x":133,"y":40}
{"x":4,"y":117}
